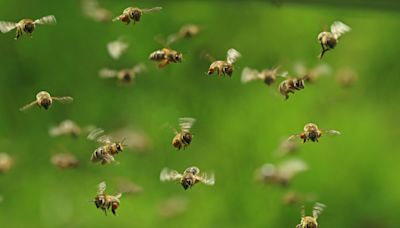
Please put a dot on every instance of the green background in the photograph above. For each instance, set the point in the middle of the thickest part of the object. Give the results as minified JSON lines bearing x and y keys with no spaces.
{"x":238,"y":126}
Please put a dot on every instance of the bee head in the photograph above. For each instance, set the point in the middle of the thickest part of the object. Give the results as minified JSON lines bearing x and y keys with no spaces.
{"x":119,"y":146}
{"x":29,"y":27}
{"x":313,"y":136}
{"x":187,"y":137}
{"x":45,"y":103}
{"x":187,"y":183}
{"x":135,"y":14}
{"x":178,"y":57}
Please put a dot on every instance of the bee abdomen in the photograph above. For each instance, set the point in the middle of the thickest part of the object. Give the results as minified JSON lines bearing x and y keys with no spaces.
{"x":157,"y":55}
{"x":97,"y":155}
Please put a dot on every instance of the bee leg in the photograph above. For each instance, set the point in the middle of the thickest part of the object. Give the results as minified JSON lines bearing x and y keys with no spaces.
{"x":18,"y":33}
{"x":163,"y":63}
{"x":113,"y":211}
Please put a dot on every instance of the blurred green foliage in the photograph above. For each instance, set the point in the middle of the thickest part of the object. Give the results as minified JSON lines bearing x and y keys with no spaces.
{"x":238,"y":128}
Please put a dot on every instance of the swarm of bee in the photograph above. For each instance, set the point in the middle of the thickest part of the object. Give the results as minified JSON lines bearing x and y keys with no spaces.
{"x":135,"y":14}
{"x":184,"y":137}
{"x":44,"y":100}
{"x":311,"y":221}
{"x":64,"y":160}
{"x":117,"y":48}
{"x":311,"y":132}
{"x":26,"y":25}
{"x":105,"y":153}
{"x":188,"y":178}
{"x":329,"y":40}
{"x":281,"y":174}
{"x":125,"y":76}
{"x":224,"y":67}
{"x":268,"y":76}
{"x":6,"y":162}
{"x":106,"y":202}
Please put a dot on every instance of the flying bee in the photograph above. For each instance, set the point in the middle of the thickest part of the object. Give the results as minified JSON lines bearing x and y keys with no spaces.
{"x":68,"y":128}
{"x":172,"y":207}
{"x":127,"y":187}
{"x":43,"y":99}
{"x":185,"y":32}
{"x":6,"y":162}
{"x":134,"y":14}
{"x":225,"y":67}
{"x":329,"y":40}
{"x":190,"y":177}
{"x":125,"y":76}
{"x":105,"y":154}
{"x":290,"y":85}
{"x":268,"y":76}
{"x":93,"y":10}
{"x":25,"y":25}
{"x":64,"y":160}
{"x":117,"y":48}
{"x":313,"y":133}
{"x":346,"y":77}
{"x":106,"y":202}
{"x":184,"y":137}
{"x":311,"y":221}
{"x":295,"y":198}
{"x":281,"y":174}
{"x":287,"y":147}
{"x":312,"y":74}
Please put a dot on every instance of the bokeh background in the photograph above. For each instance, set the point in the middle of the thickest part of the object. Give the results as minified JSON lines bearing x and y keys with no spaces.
{"x":238,"y":126}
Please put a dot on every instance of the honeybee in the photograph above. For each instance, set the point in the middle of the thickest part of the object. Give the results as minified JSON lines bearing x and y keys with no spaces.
{"x":92,"y":9}
{"x":64,"y":160}
{"x":281,"y":174}
{"x":313,"y":133}
{"x":25,"y":25}
{"x":106,"y":202}
{"x":105,"y":154}
{"x":135,"y":139}
{"x":125,"y":75}
{"x":311,"y":221}
{"x":185,"y":32}
{"x":287,"y":147}
{"x":328,"y":40}
{"x":6,"y":162}
{"x":134,"y":14}
{"x":172,"y":207}
{"x":189,"y":178}
{"x":127,"y":187}
{"x":312,"y":74}
{"x":117,"y":48}
{"x":295,"y":198}
{"x":166,"y":56}
{"x":43,"y":99}
{"x":69,"y":128}
{"x":290,"y":85}
{"x":346,"y":77}
{"x":268,"y":76}
{"x":184,"y":137}
{"x":225,"y":67}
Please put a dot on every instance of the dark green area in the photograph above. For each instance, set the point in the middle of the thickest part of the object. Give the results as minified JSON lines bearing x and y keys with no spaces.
{"x":238,"y":128}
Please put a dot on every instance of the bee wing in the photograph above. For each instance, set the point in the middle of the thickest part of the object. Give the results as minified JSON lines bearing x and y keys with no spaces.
{"x":6,"y":26}
{"x":105,"y":139}
{"x":63,"y":100}
{"x":289,"y":168}
{"x":107,"y":73}
{"x":318,"y":209}
{"x":293,"y":137}
{"x":300,"y":69}
{"x":249,"y":74}
{"x":94,"y":134}
{"x":208,"y":179}
{"x":232,"y":56}
{"x":173,"y":38}
{"x":28,"y":106}
{"x":118,"y":196}
{"x":152,"y":10}
{"x":331,"y":132}
{"x":116,"y":48}
{"x":338,"y":28}
{"x":55,"y":131}
{"x":186,"y":123}
{"x":322,"y":69}
{"x":169,"y":175}
{"x":46,"y":20}
{"x":139,"y":68}
{"x":101,"y":187}
{"x":283,"y":74}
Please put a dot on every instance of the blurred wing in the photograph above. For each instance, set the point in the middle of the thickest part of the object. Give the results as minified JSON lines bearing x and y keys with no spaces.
{"x":95,"y":133}
{"x":55,"y":131}
{"x":139,"y":68}
{"x":186,"y":123}
{"x":117,"y":48}
{"x":338,"y":28}
{"x":290,"y":168}
{"x":283,"y":74}
{"x":118,"y":196}
{"x":6,"y":26}
{"x":107,"y":73}
{"x":322,"y":69}
{"x":232,"y":56}
{"x":116,"y":18}
{"x":47,"y":20}
{"x":105,"y":139}
{"x":318,"y":209}
{"x":28,"y":106}
{"x":300,"y":69}
{"x":173,"y":38}
{"x":208,"y":179}
{"x":249,"y":74}
{"x":331,"y":132}
{"x":63,"y":100}
{"x":293,"y":137}
{"x":169,"y":175}
{"x":152,"y":10}
{"x":101,"y":188}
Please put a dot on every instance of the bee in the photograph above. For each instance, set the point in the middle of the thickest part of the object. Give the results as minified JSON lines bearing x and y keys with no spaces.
{"x":64,"y":160}
{"x":105,"y":154}
{"x":268,"y":76}
{"x":290,"y":85}
{"x":287,"y":147}
{"x":25,"y":25}
{"x":346,"y":77}
{"x":172,"y":207}
{"x":225,"y":67}
{"x":43,"y":99}
{"x":135,"y":139}
{"x":117,"y":48}
{"x":69,"y":128}
{"x":93,"y":10}
{"x":311,"y":221}
{"x":185,"y":32}
{"x":106,"y":202}
{"x":281,"y":174}
{"x":184,"y":137}
{"x":6,"y":162}
{"x":134,"y":14}
{"x":189,"y":178}
{"x":125,"y":76}
{"x":311,"y":75}
{"x":313,"y":133}
{"x":295,"y":198}
{"x":127,"y":187}
{"x":329,"y":40}
{"x":166,"y":56}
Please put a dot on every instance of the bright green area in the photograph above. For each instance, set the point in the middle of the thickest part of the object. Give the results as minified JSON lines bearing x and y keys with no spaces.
{"x":238,"y":128}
